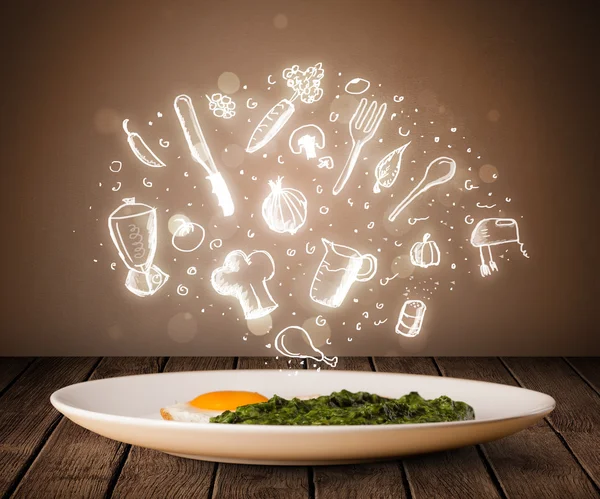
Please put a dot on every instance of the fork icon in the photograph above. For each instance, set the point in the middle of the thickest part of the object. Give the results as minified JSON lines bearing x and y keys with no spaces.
{"x":363,"y":125}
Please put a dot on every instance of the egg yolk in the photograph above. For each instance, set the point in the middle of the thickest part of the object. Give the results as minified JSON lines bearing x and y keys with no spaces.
{"x":226,"y":400}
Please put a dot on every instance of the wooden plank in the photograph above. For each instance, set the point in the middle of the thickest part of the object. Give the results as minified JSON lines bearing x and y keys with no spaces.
{"x":10,"y":368}
{"x":238,"y":481}
{"x":89,"y":460}
{"x":577,"y":413}
{"x":533,"y":462}
{"x":457,"y":473}
{"x":588,"y":368}
{"x":377,"y":480}
{"x":27,"y":418}
{"x":149,"y":473}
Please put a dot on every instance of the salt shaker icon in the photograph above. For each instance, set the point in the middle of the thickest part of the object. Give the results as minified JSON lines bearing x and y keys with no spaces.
{"x":338,"y":270}
{"x":410,"y":319}
{"x":133,"y":231}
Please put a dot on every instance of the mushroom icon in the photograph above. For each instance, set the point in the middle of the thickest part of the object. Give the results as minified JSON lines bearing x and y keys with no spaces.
{"x":307,"y":138}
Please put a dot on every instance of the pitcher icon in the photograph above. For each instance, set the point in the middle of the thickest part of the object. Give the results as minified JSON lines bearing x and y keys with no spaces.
{"x":338,"y":270}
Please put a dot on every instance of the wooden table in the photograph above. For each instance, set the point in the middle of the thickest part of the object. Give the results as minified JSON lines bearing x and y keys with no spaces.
{"x":44,"y":455}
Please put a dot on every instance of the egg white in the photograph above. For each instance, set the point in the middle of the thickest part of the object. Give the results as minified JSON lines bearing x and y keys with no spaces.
{"x":183,"y":411}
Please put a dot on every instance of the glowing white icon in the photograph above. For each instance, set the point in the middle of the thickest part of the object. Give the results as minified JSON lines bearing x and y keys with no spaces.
{"x":357,"y":86}
{"x":307,"y":138}
{"x":200,"y":151}
{"x":363,"y":125}
{"x":425,"y":253}
{"x":221,"y":106}
{"x":141,"y":149}
{"x":439,"y":171}
{"x":245,"y":278}
{"x":306,"y":85}
{"x":493,"y":232}
{"x":410,"y":319}
{"x":387,"y":170}
{"x":284,"y":209}
{"x":188,"y":236}
{"x":338,"y":270}
{"x":132,"y":227}
{"x":298,"y":337}
{"x":326,"y":162}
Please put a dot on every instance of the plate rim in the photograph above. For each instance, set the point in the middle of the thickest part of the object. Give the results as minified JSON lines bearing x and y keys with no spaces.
{"x":67,"y":409}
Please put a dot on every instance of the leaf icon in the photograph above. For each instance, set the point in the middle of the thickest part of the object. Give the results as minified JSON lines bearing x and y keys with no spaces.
{"x":387,"y":170}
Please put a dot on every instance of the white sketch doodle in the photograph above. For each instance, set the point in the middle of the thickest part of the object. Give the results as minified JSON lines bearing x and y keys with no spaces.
{"x":181,"y":239}
{"x":201,"y":153}
{"x":487,"y":206}
{"x":116,"y":169}
{"x":319,"y":189}
{"x":250,"y":104}
{"x":384,"y":281}
{"x":410,"y":319}
{"x":398,"y":98}
{"x":425,"y":253}
{"x":133,"y":230}
{"x":379,"y":322}
{"x":357,"y":86}
{"x":290,"y":252}
{"x":320,"y":321}
{"x":310,"y":249}
{"x":192,"y":271}
{"x":280,"y":159}
{"x":293,"y":335}
{"x":413,"y":221}
{"x":469,"y":185}
{"x":338,"y":270}
{"x":222,"y":106}
{"x":269,"y":80}
{"x":307,"y":138}
{"x":469,"y":220}
{"x":493,"y":232}
{"x":117,"y":187}
{"x":284,"y":209}
{"x":406,"y":134}
{"x":245,"y":278}
{"x":323,"y":210}
{"x":306,"y":85}
{"x":363,"y":125}
{"x":333,"y":117}
{"x":326,"y":162}
{"x":140,"y":149}
{"x":387,"y":170}
{"x":182,"y":290}
{"x":163,"y":143}
{"x":146,"y":182}
{"x":379,"y":306}
{"x":215,"y":244}
{"x":439,"y":171}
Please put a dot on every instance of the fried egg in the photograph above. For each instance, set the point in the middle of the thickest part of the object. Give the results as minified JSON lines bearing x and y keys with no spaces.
{"x":208,"y":405}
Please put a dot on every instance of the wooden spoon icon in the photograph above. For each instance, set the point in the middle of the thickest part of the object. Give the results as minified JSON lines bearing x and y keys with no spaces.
{"x":439,"y":171}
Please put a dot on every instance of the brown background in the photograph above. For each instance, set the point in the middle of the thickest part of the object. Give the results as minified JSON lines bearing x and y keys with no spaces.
{"x":69,"y":68}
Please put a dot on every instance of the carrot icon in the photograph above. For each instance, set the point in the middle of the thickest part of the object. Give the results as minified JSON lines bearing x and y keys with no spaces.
{"x":306,"y":85}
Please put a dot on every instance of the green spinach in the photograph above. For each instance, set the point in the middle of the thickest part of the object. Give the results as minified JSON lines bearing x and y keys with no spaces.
{"x":347,"y":408}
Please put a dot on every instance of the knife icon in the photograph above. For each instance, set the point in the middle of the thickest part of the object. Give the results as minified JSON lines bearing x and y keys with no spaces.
{"x":200,"y":151}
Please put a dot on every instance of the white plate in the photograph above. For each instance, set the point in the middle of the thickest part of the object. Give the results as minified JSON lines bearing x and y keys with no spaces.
{"x":127,"y":409}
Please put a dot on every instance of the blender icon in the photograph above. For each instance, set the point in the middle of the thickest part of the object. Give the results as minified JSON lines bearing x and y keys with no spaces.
{"x":133,"y":231}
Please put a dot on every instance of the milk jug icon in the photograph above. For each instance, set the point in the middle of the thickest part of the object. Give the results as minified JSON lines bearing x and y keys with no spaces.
{"x":339,"y":269}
